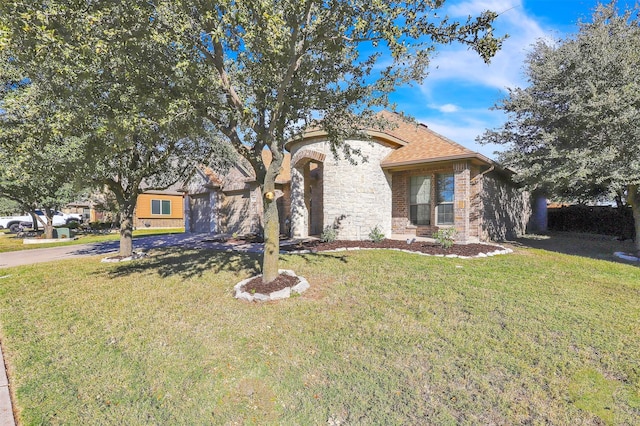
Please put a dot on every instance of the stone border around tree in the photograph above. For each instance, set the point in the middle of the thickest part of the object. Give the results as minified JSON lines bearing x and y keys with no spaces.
{"x":118,"y":259}
{"x":285,"y":293}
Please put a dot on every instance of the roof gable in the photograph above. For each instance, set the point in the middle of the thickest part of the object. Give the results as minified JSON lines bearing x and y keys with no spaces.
{"x":241,"y":174}
{"x":423,"y":144}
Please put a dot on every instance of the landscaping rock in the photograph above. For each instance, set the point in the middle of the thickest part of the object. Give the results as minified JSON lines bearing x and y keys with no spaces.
{"x":279,"y":294}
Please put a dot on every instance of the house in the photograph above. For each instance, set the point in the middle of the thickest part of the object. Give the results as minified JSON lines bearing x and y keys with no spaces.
{"x":231,"y":202}
{"x":414,"y":182}
{"x":159,"y":209}
{"x":154,"y":209}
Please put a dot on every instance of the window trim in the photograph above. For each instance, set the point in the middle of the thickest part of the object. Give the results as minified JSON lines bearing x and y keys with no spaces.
{"x":429,"y":204}
{"x":161,"y":204}
{"x":445,"y":203}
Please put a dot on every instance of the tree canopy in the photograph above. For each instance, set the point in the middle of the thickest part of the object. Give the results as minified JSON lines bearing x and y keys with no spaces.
{"x":35,"y":158}
{"x":116,"y":82}
{"x":573,"y":132}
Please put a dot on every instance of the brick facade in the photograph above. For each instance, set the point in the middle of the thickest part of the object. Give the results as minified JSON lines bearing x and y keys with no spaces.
{"x":504,"y":210}
{"x":400,"y":200}
{"x":462,"y":201}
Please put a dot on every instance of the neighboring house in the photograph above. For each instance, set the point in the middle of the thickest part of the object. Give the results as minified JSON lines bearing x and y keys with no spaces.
{"x":90,"y":213}
{"x":159,"y":209}
{"x":414,"y":182}
{"x":154,"y":209}
{"x":231,"y":202}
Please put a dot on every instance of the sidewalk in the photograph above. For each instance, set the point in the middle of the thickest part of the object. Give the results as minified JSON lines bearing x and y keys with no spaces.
{"x":29,"y":257}
{"x":6,"y":408}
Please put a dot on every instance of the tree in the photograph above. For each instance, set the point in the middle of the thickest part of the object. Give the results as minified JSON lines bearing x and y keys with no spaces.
{"x":118,"y":84}
{"x":34,"y":158}
{"x":8,"y":207}
{"x":573,"y":132}
{"x":275,"y":66}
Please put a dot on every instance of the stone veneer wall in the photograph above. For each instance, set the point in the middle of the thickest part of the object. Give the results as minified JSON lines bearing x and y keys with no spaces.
{"x":283,"y":194}
{"x":361,"y":193}
{"x":506,"y":209}
{"x":158,"y":223}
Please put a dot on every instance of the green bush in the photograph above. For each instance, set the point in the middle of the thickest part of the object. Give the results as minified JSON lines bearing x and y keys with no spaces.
{"x":445,"y":237}
{"x":329,"y":234}
{"x":376,"y":235}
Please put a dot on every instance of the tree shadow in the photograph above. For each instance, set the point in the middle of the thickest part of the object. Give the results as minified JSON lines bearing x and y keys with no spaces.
{"x":593,"y":246}
{"x":316,"y":258}
{"x":190,"y":263}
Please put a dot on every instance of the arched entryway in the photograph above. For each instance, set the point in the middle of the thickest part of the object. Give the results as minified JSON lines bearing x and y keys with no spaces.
{"x":307,"y":193}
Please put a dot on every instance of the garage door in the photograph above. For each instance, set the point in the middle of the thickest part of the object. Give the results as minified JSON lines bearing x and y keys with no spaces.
{"x":200,"y":213}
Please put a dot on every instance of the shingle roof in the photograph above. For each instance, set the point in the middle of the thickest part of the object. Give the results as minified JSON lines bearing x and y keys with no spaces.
{"x":423,"y":144}
{"x":415,"y":143}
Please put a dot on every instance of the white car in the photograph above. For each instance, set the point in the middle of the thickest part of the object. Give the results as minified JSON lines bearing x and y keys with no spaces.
{"x":13,"y":223}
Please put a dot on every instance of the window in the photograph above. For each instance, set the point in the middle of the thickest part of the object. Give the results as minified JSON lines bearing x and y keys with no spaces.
{"x":420,"y":200}
{"x":445,"y":195}
{"x":161,"y":207}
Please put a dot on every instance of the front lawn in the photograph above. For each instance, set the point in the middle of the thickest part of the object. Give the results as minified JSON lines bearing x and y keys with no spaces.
{"x":10,"y":242}
{"x":381,"y":337}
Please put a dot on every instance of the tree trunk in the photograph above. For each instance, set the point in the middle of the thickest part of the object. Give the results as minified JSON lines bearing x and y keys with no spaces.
{"x":34,"y":220}
{"x":126,"y":225}
{"x":47,"y":226}
{"x":634,"y":199}
{"x":271,"y":222}
{"x":126,"y":235}
{"x":48,"y":231}
{"x":271,"y":240}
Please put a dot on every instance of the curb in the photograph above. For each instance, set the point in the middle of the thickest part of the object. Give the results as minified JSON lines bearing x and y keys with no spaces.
{"x":6,"y":409}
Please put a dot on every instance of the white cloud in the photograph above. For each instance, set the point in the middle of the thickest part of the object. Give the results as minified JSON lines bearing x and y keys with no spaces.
{"x":455,"y":99}
{"x":447,"y":108}
{"x":463,"y":65}
{"x":465,"y":126}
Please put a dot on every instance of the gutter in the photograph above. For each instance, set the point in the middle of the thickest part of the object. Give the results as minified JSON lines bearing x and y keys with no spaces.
{"x":474,"y":155}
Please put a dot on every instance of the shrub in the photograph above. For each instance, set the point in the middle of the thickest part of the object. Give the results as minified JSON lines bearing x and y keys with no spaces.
{"x":445,"y":237}
{"x":329,"y":234}
{"x":72,"y":225}
{"x":376,"y":234}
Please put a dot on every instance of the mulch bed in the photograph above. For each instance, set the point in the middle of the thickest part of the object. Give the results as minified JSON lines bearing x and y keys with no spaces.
{"x":281,"y":282}
{"x":417,"y":246}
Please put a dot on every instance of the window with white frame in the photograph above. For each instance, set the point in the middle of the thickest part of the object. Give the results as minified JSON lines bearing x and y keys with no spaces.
{"x":161,"y":207}
{"x":445,"y":195}
{"x":420,"y":200}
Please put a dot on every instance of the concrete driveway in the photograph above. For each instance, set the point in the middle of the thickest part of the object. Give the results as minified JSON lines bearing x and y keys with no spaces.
{"x":204,"y":241}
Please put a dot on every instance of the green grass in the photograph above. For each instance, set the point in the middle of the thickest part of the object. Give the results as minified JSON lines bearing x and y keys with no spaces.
{"x":9,"y":242}
{"x":380,"y":338}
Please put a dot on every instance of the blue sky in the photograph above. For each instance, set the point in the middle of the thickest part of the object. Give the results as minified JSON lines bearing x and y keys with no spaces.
{"x":456,"y":97}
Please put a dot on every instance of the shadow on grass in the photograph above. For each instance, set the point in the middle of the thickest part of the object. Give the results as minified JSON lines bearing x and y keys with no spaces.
{"x":601,"y":247}
{"x":191,"y":263}
{"x":315,"y":258}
